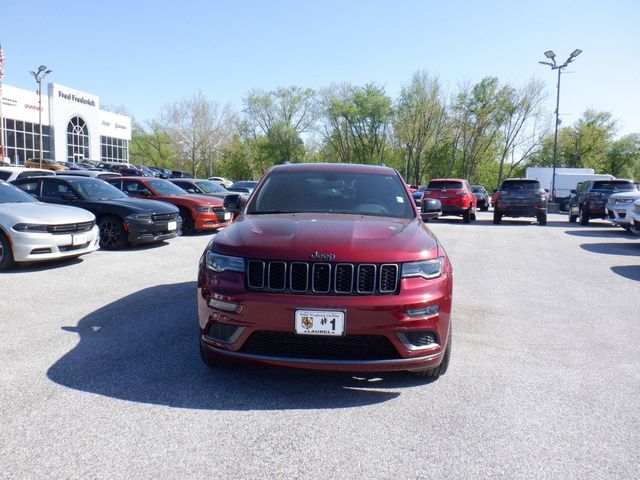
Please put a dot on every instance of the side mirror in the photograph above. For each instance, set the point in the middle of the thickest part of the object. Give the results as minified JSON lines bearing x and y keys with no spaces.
{"x":573,"y":191}
{"x":495,"y":190}
{"x":68,"y":196}
{"x":431,"y":209}
{"x":234,"y":203}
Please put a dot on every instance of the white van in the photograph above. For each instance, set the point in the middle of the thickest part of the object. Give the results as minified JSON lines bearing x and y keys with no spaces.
{"x":565,"y":182}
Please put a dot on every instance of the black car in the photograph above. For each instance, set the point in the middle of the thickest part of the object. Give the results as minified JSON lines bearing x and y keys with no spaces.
{"x":482,"y":196}
{"x":520,"y":197}
{"x":591,"y":197}
{"x":201,"y":187}
{"x":243,"y":186}
{"x":180,"y":174}
{"x":122,"y":220}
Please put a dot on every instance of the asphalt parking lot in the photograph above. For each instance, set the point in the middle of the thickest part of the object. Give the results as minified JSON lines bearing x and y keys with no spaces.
{"x":101,"y":376}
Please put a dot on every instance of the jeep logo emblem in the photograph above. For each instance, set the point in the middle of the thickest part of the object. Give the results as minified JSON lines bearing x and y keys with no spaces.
{"x":328,"y":257}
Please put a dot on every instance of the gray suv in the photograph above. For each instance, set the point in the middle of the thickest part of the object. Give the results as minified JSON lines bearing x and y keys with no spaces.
{"x":520,"y":197}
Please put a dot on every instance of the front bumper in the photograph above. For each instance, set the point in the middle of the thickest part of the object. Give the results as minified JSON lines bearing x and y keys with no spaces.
{"x":33,"y":247}
{"x":211,"y":220}
{"x":149,"y":232}
{"x":381,"y":319}
{"x":619,"y":214}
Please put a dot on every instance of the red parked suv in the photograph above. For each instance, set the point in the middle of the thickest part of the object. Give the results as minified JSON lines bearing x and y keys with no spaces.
{"x":456,"y":197}
{"x":327,"y":267}
{"x":198,"y":212}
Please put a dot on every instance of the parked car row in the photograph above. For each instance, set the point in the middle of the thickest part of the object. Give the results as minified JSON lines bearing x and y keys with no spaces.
{"x":115,"y":212}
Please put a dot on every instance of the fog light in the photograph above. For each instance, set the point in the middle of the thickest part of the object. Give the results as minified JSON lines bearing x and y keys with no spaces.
{"x":423,"y":312}
{"x":418,"y":340}
{"x":223,"y":332}
{"x":220,"y":305}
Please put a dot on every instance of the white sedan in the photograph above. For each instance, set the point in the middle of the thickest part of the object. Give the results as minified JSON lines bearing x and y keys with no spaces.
{"x":33,"y":231}
{"x":619,"y":207}
{"x":634,"y":217}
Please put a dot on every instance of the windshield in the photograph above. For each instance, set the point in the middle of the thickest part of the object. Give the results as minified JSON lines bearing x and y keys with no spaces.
{"x":211,"y":187}
{"x":165,"y":187}
{"x":94,"y":189}
{"x":520,"y":185}
{"x":327,"y":192}
{"x":444,"y":185}
{"x":613,"y":185}
{"x":12,"y":194}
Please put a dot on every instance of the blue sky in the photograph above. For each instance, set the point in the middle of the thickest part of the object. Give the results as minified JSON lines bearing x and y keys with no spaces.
{"x":144,"y":54}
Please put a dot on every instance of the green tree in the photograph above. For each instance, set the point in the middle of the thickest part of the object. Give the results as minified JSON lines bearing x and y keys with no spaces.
{"x":357,"y":122}
{"x":281,"y":116}
{"x":151,"y":145}
{"x":418,"y":123}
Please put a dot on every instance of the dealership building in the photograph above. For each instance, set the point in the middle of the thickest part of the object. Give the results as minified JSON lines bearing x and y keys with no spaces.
{"x":74,"y":128}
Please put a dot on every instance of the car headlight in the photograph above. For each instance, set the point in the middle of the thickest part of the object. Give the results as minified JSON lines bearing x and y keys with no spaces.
{"x":224,"y":263}
{"x":424,"y":268}
{"x":140,"y":217}
{"x":30,"y":227}
{"x":203,"y":209}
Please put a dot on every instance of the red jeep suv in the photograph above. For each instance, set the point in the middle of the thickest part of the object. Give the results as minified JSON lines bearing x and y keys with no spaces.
{"x":327,"y":267}
{"x":456,"y":197}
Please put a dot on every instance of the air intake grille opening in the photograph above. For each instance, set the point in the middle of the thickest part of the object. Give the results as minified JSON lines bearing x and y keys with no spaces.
{"x":322,"y":278}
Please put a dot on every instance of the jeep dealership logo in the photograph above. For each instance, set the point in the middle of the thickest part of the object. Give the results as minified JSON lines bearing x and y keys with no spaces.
{"x":327,"y":257}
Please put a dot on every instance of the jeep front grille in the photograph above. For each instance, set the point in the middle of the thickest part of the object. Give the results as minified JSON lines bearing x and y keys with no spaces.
{"x":322,"y":278}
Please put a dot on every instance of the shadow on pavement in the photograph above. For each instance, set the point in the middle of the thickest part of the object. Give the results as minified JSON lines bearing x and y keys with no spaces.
{"x":632,"y":272}
{"x":601,"y":233}
{"x":29,"y":267}
{"x":144,"y":348}
{"x":632,"y":249}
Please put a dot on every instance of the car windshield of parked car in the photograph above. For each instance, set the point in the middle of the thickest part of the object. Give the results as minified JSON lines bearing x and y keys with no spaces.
{"x":211,"y":187}
{"x":95,"y":189}
{"x":520,"y":185}
{"x":475,"y":189}
{"x":612,"y":185}
{"x":12,"y":194}
{"x":445,"y":185}
{"x":327,"y":192}
{"x":165,"y":187}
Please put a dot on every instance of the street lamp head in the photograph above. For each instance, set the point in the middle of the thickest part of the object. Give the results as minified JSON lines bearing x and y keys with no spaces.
{"x":42,"y":68}
{"x":550,"y":54}
{"x":575,"y":53}
{"x":547,"y":63}
{"x":47,"y":72}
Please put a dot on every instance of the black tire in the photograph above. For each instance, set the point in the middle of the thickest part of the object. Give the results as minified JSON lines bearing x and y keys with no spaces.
{"x":584,"y":217}
{"x":542,"y":218}
{"x":572,"y":218}
{"x":466,"y":216}
{"x":484,"y":209}
{"x":497,"y":216}
{"x":187,"y":222}
{"x":112,"y":233}
{"x":6,"y":254}
{"x":444,"y":365}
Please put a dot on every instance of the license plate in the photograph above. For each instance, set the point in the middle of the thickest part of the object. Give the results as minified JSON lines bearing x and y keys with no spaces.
{"x":79,"y":239}
{"x":172,"y":225}
{"x":227,"y":215}
{"x":319,"y":322}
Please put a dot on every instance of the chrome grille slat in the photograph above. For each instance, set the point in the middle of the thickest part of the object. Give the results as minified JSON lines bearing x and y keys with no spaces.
{"x":320,"y":278}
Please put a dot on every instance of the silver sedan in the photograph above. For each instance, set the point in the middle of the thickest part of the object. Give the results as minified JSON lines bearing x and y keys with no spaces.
{"x":35,"y":231}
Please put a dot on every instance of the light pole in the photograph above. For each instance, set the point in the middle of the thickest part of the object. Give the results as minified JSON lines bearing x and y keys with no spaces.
{"x":39,"y":76}
{"x":552,"y":56}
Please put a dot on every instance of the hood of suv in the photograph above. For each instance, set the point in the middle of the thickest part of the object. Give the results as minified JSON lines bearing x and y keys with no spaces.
{"x":351,"y":238}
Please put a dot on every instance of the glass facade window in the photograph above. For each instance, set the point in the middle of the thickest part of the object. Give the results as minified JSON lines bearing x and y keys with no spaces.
{"x":22,"y":141}
{"x":114,"y":149}
{"x":77,"y":140}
